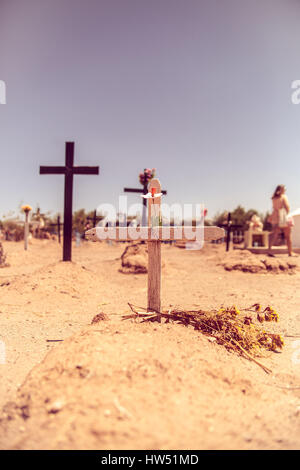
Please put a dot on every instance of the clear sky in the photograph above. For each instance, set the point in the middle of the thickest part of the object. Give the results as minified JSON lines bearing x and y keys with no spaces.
{"x":199,"y":89}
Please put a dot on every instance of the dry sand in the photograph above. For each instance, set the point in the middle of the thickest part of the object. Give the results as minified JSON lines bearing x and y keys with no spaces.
{"x":124,"y":385}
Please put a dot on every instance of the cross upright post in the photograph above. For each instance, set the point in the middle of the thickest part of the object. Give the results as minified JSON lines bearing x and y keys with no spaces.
{"x":154,"y":248}
{"x":68,"y":170}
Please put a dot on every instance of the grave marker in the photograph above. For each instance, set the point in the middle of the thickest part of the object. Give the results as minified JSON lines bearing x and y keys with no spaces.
{"x":58,"y":224}
{"x":96,"y":218}
{"x":228,"y":227}
{"x":154,"y":234}
{"x":68,"y":170}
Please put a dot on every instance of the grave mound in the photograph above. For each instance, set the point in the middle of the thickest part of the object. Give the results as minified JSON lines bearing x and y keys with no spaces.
{"x":244,"y":260}
{"x":123,"y":385}
{"x":135,"y":259}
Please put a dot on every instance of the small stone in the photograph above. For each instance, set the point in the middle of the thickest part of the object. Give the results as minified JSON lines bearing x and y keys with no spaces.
{"x":55,"y":407}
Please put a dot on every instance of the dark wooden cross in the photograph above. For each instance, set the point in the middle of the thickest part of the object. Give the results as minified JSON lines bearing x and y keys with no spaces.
{"x":58,"y":224}
{"x":96,"y":218}
{"x":68,"y":170}
{"x":142,"y":191}
{"x":228,"y":227}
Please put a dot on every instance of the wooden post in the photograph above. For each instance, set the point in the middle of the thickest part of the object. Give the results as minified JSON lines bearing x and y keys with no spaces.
{"x":58,"y":228}
{"x":26,"y":230}
{"x":154,"y":249}
{"x":145,"y":190}
{"x":68,"y":209}
{"x":228,"y":231}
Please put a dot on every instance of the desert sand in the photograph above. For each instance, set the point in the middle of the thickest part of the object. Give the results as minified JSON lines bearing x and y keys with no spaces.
{"x":70,"y":384}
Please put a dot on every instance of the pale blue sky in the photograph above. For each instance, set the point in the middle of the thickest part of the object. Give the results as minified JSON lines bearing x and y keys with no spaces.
{"x":199,"y":89}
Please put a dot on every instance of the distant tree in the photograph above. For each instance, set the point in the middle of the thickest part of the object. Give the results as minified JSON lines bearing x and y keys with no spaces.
{"x":14,"y":230}
{"x":239,"y":216}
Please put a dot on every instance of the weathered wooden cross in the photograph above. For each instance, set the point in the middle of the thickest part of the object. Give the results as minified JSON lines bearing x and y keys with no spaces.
{"x":68,"y":170}
{"x":154,"y":234}
{"x":144,"y":192}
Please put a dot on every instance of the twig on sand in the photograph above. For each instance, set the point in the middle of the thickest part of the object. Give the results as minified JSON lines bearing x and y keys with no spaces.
{"x":268,"y":371}
{"x":123,"y":412}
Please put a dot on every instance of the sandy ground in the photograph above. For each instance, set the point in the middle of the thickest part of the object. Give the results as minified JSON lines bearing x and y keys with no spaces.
{"x":125,"y":385}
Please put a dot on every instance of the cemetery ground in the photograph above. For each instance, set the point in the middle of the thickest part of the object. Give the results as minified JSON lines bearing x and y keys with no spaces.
{"x":70,"y":384}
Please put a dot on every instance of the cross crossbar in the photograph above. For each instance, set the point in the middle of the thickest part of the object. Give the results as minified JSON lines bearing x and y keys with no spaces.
{"x":179,"y":233}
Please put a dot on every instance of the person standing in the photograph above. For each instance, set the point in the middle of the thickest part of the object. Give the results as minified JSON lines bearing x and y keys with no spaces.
{"x":279,"y":218}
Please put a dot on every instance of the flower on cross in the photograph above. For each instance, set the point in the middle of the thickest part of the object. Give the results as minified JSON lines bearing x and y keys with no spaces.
{"x":146,"y":175}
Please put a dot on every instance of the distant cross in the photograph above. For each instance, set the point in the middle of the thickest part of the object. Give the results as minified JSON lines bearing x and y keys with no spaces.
{"x":95,"y":218}
{"x":68,"y":170}
{"x":142,"y":191}
{"x":38,"y":213}
{"x":228,"y":227}
{"x":155,"y":234}
{"x":58,"y":224}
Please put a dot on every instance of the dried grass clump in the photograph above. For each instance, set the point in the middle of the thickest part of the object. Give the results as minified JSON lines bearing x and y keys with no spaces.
{"x":236,"y":331}
{"x":99,"y":317}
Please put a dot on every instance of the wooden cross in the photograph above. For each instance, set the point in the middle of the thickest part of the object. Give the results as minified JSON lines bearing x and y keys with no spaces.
{"x":95,"y":218}
{"x":58,"y":224}
{"x":154,"y":234}
{"x":68,"y":170}
{"x":142,"y":191}
{"x":38,"y":213}
{"x":228,"y":227}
